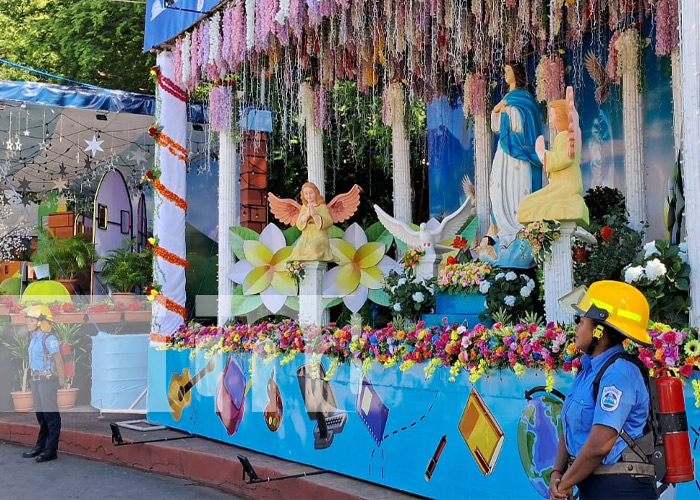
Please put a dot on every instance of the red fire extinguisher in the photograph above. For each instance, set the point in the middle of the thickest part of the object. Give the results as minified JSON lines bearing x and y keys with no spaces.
{"x":67,"y":355}
{"x":673,"y":426}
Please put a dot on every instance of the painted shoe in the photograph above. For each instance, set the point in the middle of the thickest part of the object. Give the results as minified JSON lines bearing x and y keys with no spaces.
{"x":47,"y":455}
{"x":33,"y":452}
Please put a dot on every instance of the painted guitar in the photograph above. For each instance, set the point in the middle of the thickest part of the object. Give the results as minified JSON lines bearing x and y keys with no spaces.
{"x":179,"y":391}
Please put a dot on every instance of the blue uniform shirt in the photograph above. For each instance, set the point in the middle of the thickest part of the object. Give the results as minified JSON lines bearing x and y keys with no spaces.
{"x":623,"y":403}
{"x":36,"y":351}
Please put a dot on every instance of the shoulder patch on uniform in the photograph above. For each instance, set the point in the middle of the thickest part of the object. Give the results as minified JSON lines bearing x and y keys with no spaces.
{"x":610,"y":399}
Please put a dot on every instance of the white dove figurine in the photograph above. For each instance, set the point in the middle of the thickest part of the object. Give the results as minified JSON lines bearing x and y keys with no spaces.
{"x":428,"y":236}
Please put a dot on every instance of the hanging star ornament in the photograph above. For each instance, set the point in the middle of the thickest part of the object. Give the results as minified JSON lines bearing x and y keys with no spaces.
{"x":23,"y":185}
{"x":44,"y":145}
{"x":62,"y":171}
{"x":139,"y":156}
{"x":18,"y":144}
{"x":94,"y":145}
{"x":60,"y":184}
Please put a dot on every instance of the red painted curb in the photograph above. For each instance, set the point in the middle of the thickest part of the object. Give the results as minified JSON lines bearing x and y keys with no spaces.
{"x":211,"y":470}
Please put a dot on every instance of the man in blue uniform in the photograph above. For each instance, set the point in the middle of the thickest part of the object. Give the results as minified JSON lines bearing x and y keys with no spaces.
{"x":47,"y":374}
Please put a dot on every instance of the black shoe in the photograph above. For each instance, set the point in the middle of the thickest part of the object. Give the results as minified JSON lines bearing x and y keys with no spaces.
{"x":47,"y":455}
{"x":33,"y":452}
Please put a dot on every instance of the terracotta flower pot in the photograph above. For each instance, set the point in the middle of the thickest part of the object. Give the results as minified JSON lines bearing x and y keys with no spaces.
{"x":69,"y":284}
{"x":71,"y":317}
{"x":23,"y":401}
{"x":4,"y":310}
{"x":104,"y":317}
{"x":123,"y":298}
{"x":18,"y":319}
{"x":67,"y":397}
{"x":138,"y":316}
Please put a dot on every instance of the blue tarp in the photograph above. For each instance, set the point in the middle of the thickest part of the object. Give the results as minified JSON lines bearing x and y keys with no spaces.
{"x":75,"y":97}
{"x":164,"y":23}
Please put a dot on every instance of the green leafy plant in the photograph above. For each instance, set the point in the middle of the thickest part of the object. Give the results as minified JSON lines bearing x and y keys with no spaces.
{"x":409,"y":297}
{"x":661,"y":273}
{"x":19,"y":350}
{"x":66,"y":257}
{"x":70,"y":334}
{"x":124,"y":269}
{"x":509,"y":296}
{"x":617,"y":243}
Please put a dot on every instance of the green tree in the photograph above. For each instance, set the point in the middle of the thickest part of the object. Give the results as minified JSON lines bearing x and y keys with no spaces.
{"x":97,"y":42}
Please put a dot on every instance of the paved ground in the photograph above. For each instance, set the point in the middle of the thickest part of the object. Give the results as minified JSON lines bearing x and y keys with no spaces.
{"x":71,"y":477}
{"x":198,"y":460}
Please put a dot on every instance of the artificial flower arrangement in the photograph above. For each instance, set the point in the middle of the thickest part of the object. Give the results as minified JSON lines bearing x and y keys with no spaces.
{"x":295,"y":270}
{"x":463,"y":278}
{"x":662,"y":274}
{"x":409,"y":297}
{"x":480,"y":351}
{"x":510,"y":296}
{"x":541,"y":235}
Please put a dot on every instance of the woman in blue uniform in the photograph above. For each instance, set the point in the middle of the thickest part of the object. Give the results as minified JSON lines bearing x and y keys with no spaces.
{"x":590,"y":453}
{"x":48,"y":375}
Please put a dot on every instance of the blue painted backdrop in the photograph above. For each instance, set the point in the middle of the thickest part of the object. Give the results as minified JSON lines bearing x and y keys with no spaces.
{"x":395,"y":422}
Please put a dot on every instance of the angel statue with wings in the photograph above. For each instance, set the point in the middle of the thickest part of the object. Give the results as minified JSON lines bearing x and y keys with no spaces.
{"x":561,"y":199}
{"x":313,"y":218}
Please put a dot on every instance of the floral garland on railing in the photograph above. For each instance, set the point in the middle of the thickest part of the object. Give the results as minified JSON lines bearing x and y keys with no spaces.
{"x":480,"y":351}
{"x":541,"y":235}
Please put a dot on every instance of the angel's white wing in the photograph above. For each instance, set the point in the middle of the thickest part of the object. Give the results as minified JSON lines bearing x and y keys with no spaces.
{"x":398,"y":229}
{"x":452,"y":223}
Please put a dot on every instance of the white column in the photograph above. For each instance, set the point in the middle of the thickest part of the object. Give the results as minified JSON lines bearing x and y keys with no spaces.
{"x":690,"y":71}
{"x":559,"y":275}
{"x":169,"y":219}
{"x":229,"y":171}
{"x":483,"y":147}
{"x":633,"y":120}
{"x":677,"y":88}
{"x":400,"y":152}
{"x":311,"y":303}
{"x":314,"y":138}
{"x":427,"y":266}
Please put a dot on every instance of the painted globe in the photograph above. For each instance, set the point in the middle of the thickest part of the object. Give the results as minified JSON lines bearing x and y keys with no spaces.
{"x":539,"y":428}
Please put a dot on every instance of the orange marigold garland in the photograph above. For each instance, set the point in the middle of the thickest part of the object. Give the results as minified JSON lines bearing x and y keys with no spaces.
{"x":163,"y":140}
{"x":171,"y":305}
{"x":169,"y":195}
{"x":170,"y":257}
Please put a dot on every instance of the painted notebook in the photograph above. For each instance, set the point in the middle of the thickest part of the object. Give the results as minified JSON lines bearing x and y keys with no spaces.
{"x":372,"y":410}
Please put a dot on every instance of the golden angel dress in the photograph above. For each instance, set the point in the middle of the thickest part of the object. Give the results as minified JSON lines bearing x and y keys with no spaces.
{"x":561,"y":199}
{"x":313,"y":243}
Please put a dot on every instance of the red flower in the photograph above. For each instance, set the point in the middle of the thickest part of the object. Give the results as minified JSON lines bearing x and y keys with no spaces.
{"x":68,"y":308}
{"x":606,"y":233}
{"x":459,"y":243}
{"x":120,"y":306}
{"x":149,"y":175}
{"x":686,"y":370}
{"x":451,"y":260}
{"x":580,"y":254}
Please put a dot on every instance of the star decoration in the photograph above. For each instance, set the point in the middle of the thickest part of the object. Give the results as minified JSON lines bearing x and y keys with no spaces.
{"x":60,"y":184}
{"x":139,"y":156}
{"x":62,"y":170}
{"x":23,"y":185}
{"x":18,"y":144}
{"x":87,"y":164}
{"x":25,"y":201}
{"x":43,"y":145}
{"x":62,"y":200}
{"x":93,"y":146}
{"x":26,"y":133}
{"x":9,"y":144}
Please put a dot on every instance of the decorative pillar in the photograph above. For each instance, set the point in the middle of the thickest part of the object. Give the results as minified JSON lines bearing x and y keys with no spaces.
{"x":311,"y":302}
{"x":633,"y":119}
{"x":483,"y":147}
{"x":427,"y":266}
{"x":690,"y":95}
{"x":170,"y":191}
{"x":393,"y":116}
{"x":314,"y":138}
{"x":559,"y":275}
{"x":677,"y":88}
{"x":228,"y":203}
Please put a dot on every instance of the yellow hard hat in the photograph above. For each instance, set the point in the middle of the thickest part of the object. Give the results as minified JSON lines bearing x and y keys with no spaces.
{"x":41,"y":313}
{"x":617,"y":305}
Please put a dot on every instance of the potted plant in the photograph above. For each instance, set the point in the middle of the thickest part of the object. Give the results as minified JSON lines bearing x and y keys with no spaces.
{"x":68,"y":334}
{"x":124,"y":270}
{"x":137,"y":311}
{"x":67,"y":313}
{"x":4,"y":306}
{"x":15,"y":310}
{"x":102,"y":313}
{"x":19,"y":350}
{"x":68,"y":258}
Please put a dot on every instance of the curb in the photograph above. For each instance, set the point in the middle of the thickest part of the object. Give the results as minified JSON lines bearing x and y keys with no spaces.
{"x":211,"y":470}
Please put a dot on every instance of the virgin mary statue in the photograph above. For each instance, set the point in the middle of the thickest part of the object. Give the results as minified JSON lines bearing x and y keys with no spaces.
{"x":516,"y":170}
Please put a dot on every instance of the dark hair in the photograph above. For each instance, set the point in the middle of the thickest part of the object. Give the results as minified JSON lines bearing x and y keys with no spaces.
{"x":519,"y":73}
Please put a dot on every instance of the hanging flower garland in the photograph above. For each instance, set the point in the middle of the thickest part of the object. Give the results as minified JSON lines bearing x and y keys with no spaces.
{"x":476,"y":95}
{"x":221,"y":108}
{"x":549,"y":77}
{"x":666,"y":26}
{"x":168,"y":85}
{"x":214,"y":66}
{"x":186,"y":59}
{"x":153,"y":243}
{"x":250,"y":24}
{"x":163,"y":140}
{"x":627,"y":49}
